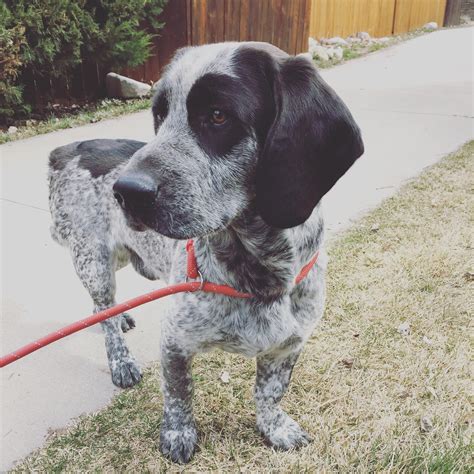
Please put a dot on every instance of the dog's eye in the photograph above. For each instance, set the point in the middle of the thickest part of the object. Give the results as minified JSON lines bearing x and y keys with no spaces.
{"x":218,"y":117}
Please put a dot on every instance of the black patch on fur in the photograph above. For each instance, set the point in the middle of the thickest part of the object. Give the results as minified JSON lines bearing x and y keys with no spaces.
{"x":98,"y":156}
{"x":102,"y":156}
{"x":218,"y":91}
{"x":311,"y":144}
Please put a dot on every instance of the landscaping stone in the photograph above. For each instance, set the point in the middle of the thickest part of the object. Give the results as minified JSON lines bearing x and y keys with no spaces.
{"x":312,"y":46}
{"x":353,"y":39}
{"x":153,"y":88}
{"x":124,"y":87}
{"x":363,"y":35}
{"x":383,"y":40}
{"x":335,"y":53}
{"x":432,"y":25}
{"x":336,"y":40}
{"x":12,"y":130}
{"x":312,"y":42}
{"x":338,"y":53}
{"x":320,"y":52}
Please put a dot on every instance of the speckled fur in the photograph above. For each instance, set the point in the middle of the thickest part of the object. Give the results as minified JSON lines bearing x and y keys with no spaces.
{"x":212,"y":200}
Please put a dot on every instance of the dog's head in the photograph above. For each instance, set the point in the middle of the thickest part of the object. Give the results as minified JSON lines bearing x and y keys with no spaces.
{"x":238,"y":125}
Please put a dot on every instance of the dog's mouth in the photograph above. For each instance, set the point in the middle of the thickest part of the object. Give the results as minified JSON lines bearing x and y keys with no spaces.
{"x":170,"y":227}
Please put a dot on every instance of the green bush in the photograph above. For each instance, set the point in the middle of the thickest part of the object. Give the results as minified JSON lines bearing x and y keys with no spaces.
{"x":48,"y":39}
{"x":11,"y":40}
{"x":119,"y":41}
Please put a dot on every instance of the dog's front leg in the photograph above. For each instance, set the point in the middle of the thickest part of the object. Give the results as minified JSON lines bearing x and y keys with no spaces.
{"x":123,"y":367}
{"x":178,"y":434}
{"x":273,"y":376}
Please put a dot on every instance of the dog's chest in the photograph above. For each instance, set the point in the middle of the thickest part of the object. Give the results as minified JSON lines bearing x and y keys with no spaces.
{"x":253,"y":337}
{"x":238,"y":326}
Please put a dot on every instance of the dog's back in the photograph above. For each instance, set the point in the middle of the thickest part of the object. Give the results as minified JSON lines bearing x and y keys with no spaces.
{"x":73,"y":172}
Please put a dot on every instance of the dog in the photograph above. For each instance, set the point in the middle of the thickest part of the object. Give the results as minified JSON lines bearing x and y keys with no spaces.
{"x":247,"y":141}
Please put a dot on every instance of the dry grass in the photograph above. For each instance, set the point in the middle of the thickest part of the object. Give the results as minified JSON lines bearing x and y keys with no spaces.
{"x":361,"y":388}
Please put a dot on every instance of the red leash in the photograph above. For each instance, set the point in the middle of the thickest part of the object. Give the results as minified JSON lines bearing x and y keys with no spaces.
{"x":192,"y":273}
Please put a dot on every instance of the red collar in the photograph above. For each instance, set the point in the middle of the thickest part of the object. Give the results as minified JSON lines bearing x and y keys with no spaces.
{"x":193,"y":272}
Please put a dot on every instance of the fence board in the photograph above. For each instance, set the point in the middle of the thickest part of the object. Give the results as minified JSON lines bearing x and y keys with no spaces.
{"x":231,"y":26}
{"x":378,"y":17}
{"x":453,"y":12}
{"x":172,"y":37}
{"x":410,"y":15}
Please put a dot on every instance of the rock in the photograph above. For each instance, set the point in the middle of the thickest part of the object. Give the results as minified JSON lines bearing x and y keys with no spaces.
{"x":336,"y":41}
{"x":312,"y":43}
{"x":153,"y":88}
{"x":404,"y":329}
{"x":375,"y":228}
{"x":320,"y":52}
{"x":432,"y":25}
{"x":363,"y":35}
{"x":383,"y":40}
{"x":426,"y":424}
{"x":12,"y":130}
{"x":336,"y":53}
{"x":225,"y":376}
{"x":124,"y":87}
{"x":427,"y":341}
{"x":314,"y":47}
{"x":353,"y":39}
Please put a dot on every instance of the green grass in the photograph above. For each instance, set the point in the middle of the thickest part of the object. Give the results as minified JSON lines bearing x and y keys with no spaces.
{"x":406,"y":261}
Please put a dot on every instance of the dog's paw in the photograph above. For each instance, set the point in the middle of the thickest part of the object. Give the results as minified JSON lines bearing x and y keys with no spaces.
{"x":126,"y":322}
{"x":125,"y":372}
{"x":178,"y":444}
{"x":282,"y":432}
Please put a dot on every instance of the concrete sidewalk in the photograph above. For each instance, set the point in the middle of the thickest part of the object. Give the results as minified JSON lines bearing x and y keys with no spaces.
{"x":414,"y":103}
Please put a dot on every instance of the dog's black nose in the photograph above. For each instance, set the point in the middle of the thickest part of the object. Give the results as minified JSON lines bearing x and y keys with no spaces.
{"x":136,"y":194}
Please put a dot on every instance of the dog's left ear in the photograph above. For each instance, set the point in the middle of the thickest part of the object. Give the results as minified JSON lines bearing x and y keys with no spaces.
{"x":312,"y":142}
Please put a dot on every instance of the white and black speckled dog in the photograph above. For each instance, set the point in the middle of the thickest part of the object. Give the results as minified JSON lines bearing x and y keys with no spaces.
{"x":248,"y":140}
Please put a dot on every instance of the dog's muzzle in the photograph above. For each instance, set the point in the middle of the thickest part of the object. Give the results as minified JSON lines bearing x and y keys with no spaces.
{"x":136,"y":195}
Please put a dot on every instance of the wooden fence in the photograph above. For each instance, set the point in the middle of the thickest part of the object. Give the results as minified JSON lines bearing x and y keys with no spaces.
{"x":285,"y":23}
{"x":377,"y":17}
{"x":194,"y":22}
{"x":281,"y":22}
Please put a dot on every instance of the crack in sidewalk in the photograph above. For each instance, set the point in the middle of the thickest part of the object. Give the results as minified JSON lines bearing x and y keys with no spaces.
{"x":23,"y":204}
